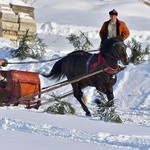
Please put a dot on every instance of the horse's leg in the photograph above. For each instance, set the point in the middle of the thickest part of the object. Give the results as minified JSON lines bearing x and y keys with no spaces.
{"x":101,"y":88}
{"x":109,"y":89}
{"x":78,"y":95}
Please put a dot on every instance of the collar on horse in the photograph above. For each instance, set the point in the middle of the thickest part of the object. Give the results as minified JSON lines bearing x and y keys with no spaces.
{"x":101,"y":60}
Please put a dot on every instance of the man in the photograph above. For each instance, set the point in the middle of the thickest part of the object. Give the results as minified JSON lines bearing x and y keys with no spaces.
{"x":113,"y":28}
{"x":3,"y":63}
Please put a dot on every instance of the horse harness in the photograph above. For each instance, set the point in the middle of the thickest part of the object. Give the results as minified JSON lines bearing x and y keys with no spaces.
{"x":100,"y":60}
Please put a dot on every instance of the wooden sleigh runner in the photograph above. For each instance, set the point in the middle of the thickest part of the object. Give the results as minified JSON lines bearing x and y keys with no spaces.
{"x":20,"y":87}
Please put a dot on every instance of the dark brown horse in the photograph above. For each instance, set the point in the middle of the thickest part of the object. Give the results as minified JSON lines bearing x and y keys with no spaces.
{"x":79,"y":63}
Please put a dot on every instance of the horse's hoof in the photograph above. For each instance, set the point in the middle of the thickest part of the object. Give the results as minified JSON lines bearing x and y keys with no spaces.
{"x":110,"y":103}
{"x":98,"y":101}
{"x":88,"y":114}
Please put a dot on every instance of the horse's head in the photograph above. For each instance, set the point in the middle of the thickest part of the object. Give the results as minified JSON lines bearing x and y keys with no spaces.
{"x":115,"y":48}
{"x":119,"y":50}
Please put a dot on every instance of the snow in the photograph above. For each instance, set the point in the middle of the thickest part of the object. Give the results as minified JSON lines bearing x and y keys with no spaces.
{"x":16,"y":2}
{"x":34,"y":129}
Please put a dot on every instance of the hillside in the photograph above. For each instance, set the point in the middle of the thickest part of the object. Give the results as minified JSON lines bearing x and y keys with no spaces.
{"x":33,"y":129}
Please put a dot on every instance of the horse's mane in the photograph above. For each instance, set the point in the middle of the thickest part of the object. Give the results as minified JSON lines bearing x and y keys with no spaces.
{"x":106,"y":45}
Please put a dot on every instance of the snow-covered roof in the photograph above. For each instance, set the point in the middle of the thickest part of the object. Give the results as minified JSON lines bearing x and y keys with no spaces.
{"x":15,"y":2}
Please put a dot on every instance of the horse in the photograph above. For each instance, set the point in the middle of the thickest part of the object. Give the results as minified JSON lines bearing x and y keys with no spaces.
{"x":81,"y":62}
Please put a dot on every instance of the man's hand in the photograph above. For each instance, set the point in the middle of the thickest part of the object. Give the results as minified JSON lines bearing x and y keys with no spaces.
{"x":3,"y":62}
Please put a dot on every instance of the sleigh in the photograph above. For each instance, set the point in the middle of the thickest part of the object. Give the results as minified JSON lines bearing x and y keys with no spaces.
{"x":19,"y":87}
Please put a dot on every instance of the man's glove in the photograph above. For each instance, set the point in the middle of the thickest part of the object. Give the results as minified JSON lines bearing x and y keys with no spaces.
{"x":4,"y":63}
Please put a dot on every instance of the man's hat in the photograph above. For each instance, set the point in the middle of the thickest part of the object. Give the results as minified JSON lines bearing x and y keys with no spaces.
{"x":113,"y":12}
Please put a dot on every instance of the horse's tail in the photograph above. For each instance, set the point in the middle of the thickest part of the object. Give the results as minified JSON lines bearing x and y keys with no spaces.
{"x":56,"y":72}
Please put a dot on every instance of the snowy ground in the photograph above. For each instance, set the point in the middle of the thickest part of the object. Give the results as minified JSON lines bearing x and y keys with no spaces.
{"x":33,"y":129}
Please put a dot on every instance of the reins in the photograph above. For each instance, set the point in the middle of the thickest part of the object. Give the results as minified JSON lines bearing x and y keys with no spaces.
{"x":41,"y":61}
{"x":110,"y":56}
{"x":31,"y":62}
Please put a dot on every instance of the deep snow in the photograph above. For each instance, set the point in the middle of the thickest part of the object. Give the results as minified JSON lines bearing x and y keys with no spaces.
{"x":33,"y":129}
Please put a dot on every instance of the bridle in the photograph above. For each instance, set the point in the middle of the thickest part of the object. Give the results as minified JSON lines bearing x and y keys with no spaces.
{"x":115,"y":52}
{"x":102,"y":59}
{"x":118,"y":57}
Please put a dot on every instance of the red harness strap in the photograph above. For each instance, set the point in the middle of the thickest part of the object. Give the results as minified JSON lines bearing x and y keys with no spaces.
{"x":101,"y":59}
{"x":111,"y":70}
